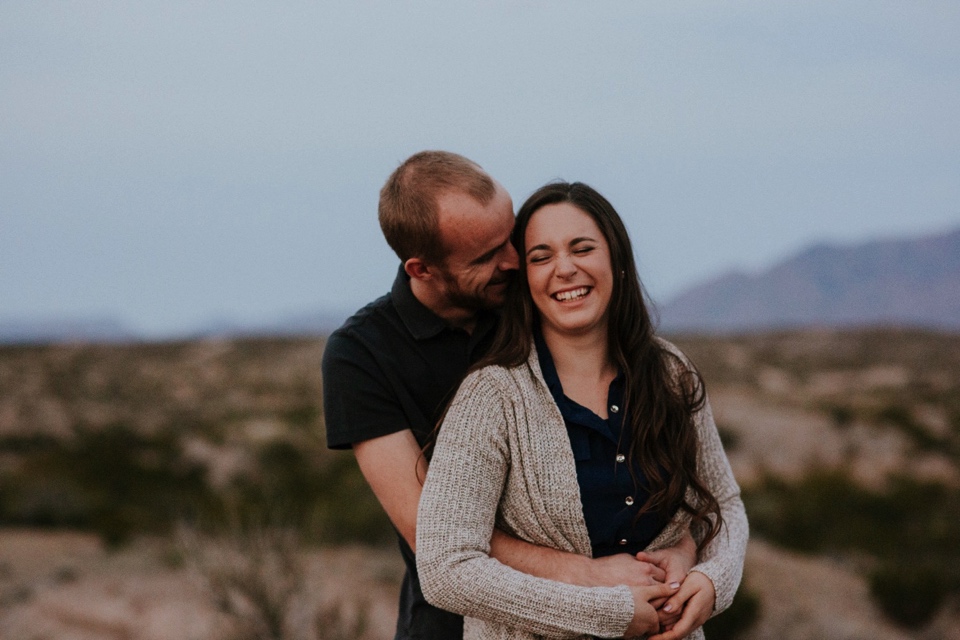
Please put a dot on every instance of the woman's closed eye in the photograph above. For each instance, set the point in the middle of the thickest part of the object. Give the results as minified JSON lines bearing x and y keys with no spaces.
{"x":538,"y":258}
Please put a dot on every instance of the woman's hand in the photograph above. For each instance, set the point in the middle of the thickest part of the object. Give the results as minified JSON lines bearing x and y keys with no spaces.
{"x":645,"y":620}
{"x":694,"y":602}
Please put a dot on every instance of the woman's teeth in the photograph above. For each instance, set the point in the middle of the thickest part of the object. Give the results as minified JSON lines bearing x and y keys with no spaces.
{"x":573,"y":294}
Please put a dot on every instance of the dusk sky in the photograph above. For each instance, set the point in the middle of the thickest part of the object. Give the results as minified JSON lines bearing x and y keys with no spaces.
{"x":170,"y":164}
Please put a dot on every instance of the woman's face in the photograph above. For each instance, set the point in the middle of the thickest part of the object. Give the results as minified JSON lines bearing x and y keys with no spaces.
{"x":568,"y":270}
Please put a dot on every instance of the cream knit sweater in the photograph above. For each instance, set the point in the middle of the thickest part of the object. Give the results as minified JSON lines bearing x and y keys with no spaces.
{"x":503,"y":459}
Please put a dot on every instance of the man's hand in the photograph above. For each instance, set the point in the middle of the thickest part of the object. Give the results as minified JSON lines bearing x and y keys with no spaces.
{"x":664,"y":566}
{"x":695,"y":599}
{"x":622,"y":568}
{"x":675,"y":561}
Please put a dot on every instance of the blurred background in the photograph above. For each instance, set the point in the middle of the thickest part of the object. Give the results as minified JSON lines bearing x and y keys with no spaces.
{"x":188,"y":206}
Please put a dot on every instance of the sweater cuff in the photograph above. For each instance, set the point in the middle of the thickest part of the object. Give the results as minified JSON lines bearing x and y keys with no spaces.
{"x":723,"y":597}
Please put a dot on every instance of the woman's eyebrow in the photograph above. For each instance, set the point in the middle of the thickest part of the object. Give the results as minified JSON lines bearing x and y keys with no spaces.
{"x":539,"y":247}
{"x":546,"y":247}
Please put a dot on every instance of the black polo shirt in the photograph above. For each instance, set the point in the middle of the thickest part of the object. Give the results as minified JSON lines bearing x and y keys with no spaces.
{"x":610,"y":496}
{"x":394,"y":365}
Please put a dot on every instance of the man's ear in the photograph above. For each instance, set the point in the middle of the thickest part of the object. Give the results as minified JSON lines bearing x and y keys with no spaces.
{"x":417,"y":269}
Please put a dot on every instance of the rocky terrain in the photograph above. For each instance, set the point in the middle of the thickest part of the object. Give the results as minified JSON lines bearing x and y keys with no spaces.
{"x":130,"y":476}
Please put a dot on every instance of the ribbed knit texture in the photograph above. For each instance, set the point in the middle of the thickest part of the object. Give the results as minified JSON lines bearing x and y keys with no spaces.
{"x":503,"y":459}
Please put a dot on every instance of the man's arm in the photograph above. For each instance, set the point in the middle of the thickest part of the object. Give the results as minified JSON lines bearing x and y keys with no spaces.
{"x":394,"y":468}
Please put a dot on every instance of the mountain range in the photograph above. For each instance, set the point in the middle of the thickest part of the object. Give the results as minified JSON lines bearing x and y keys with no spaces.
{"x":899,"y":282}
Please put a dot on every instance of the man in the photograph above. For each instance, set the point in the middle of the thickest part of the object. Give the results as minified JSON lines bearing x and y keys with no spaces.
{"x":389,"y":371}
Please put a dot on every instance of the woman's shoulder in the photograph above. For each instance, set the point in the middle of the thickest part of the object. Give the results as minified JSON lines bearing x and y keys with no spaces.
{"x":670,"y":348}
{"x":678,"y":362}
{"x":495,"y":375}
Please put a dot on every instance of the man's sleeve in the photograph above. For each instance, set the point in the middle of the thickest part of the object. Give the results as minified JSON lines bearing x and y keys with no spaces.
{"x":358,"y":402}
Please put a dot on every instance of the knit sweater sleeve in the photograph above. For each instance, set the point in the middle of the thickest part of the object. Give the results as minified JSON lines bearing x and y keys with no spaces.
{"x":455,"y":521}
{"x":722,"y":559}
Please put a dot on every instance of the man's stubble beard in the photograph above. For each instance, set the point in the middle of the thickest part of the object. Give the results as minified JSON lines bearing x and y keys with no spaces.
{"x":471,"y":301}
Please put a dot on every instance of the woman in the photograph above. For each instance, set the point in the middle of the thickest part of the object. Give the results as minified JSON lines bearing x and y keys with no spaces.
{"x":583,"y":431}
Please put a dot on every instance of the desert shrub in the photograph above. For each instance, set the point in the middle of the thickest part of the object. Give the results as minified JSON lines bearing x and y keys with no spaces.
{"x":351,"y":512}
{"x":899,"y":416}
{"x":735,"y":621}
{"x":303,"y":416}
{"x":113,"y":481}
{"x":255,"y":577}
{"x":908,"y":594}
{"x":119,"y":483}
{"x":825,"y":510}
{"x":842,"y":415}
{"x":133,"y":482}
{"x":729,"y":437}
{"x":910,"y":521}
{"x":323,"y":499}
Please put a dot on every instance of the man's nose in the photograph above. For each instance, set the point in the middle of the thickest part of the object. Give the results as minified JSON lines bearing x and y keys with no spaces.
{"x":509,"y":261}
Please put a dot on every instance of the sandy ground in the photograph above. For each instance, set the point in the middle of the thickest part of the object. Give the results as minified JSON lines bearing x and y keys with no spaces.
{"x":804,"y":598}
{"x":66,"y":586}
{"x":56,"y":585}
{"x":790,"y":442}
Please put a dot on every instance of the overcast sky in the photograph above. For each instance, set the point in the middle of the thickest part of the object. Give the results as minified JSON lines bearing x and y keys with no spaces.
{"x":171,"y":163}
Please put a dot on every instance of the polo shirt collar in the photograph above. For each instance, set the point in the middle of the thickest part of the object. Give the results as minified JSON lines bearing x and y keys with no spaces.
{"x":417,"y":318}
{"x":421,"y":322}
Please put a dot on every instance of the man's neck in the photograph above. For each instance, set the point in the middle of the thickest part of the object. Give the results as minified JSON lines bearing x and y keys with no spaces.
{"x":465,"y":319}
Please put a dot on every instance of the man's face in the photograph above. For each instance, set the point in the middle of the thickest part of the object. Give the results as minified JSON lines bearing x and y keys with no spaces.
{"x":480,"y":259}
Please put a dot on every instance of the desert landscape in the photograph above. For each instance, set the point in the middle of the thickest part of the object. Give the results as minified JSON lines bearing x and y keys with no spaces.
{"x":153,"y":491}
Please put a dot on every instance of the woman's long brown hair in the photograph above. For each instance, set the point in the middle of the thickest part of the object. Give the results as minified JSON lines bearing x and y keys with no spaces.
{"x":663,"y":392}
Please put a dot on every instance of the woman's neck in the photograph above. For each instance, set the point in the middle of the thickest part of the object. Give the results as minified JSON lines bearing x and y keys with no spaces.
{"x":584,"y":367}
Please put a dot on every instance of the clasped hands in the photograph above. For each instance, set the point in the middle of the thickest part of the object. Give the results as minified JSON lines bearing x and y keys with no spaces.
{"x":670,"y":601}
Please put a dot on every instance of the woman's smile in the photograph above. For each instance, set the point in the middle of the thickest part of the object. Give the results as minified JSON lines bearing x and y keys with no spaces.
{"x":572,"y":294}
{"x":568,"y":270}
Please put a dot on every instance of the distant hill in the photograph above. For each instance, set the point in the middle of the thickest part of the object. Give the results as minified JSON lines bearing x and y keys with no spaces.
{"x":319,"y":323}
{"x":894,"y":282}
{"x":913,"y":283}
{"x":106,"y":330}
{"x":42,"y":331}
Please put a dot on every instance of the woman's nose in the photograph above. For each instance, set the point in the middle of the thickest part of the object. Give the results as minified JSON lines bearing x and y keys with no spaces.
{"x":566,"y":267}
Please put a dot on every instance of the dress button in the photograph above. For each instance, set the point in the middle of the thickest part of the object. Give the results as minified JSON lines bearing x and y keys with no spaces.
{"x":614,"y":408}
{"x":621,"y":457}
{"x":623,"y":542}
{"x":629,"y":500}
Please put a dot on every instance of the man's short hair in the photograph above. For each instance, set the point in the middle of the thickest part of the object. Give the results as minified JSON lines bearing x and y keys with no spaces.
{"x":409,"y":210}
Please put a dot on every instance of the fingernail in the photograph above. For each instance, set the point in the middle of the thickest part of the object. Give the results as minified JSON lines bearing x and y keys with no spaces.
{"x":674,"y":585}
{"x":668,"y":608}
